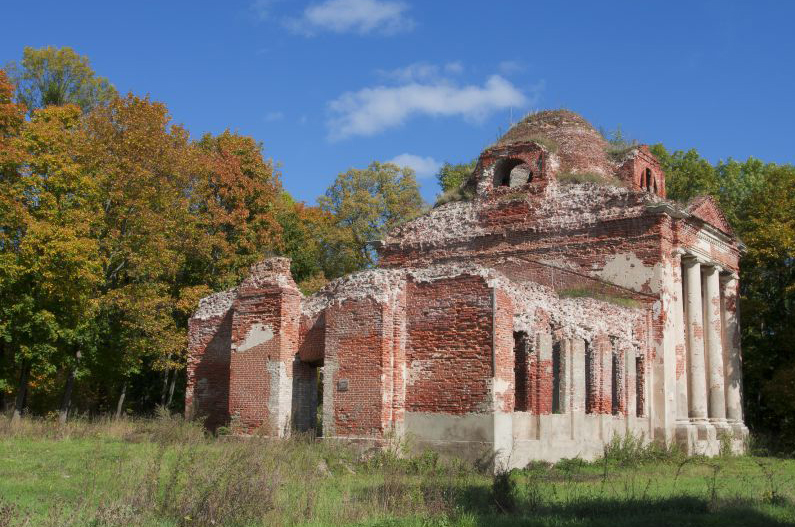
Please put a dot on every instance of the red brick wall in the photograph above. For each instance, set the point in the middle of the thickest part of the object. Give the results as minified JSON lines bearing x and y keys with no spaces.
{"x":209,"y":355}
{"x":252,"y":370}
{"x":449,"y":345}
{"x":358,"y":344}
{"x":633,"y":171}
{"x":504,"y":397}
{"x":599,"y":396}
{"x":312,"y":338}
{"x":586,"y":248}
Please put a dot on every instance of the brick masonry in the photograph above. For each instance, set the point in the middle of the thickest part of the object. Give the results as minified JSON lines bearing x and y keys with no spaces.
{"x":541,"y":318}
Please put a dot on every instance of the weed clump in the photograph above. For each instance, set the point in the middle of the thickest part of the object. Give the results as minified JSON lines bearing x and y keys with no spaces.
{"x":463,"y":193}
{"x":579,"y":178}
{"x":582,"y":292}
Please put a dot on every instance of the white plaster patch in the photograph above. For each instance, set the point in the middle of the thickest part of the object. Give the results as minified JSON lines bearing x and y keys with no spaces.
{"x":280,"y":397}
{"x":627,"y":270}
{"x":257,"y":334}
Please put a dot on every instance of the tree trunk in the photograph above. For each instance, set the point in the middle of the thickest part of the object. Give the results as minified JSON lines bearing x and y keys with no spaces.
{"x":164,"y":391}
{"x":171,"y":388}
{"x":22,"y":392}
{"x":66,"y":402}
{"x":2,"y":393}
{"x":120,"y":405}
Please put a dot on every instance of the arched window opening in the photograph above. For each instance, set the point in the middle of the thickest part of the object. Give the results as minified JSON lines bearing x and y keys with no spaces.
{"x":648,"y":180}
{"x":512,"y":173}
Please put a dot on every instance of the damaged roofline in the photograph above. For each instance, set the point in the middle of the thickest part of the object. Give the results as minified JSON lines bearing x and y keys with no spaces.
{"x":675,"y":212}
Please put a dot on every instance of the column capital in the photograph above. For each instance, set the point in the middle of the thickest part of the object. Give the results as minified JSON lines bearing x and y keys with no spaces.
{"x":711,"y":267}
{"x":692,"y":259}
{"x":679,"y":251}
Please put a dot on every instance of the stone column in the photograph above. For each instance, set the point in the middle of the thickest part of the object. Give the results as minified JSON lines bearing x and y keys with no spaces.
{"x":697,"y":381}
{"x":677,"y":304}
{"x":731,"y":349}
{"x":714,"y":348}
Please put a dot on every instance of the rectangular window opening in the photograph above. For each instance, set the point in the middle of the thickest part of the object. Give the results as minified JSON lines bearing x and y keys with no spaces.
{"x":557,"y":374}
{"x":520,"y":371}
{"x":615,"y":406}
{"x":639,"y":387}
{"x":589,"y":402}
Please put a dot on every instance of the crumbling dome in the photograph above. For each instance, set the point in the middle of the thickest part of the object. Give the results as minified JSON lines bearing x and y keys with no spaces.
{"x":577,"y":144}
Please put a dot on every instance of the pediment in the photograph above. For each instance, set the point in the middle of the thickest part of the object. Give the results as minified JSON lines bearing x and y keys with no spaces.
{"x":706,"y":209}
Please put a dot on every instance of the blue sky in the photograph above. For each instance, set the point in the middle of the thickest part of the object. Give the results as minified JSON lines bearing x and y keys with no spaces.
{"x":330,"y":84}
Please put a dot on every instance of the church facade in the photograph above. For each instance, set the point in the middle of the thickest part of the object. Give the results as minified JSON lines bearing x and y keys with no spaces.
{"x":560,"y":302}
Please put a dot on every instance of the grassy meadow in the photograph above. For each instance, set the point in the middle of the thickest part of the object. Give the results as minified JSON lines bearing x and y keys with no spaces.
{"x":166,"y":472}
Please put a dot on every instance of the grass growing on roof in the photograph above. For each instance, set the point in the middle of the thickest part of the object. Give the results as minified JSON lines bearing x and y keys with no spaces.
{"x":584,"y":292}
{"x":463,"y":193}
{"x":579,"y":178}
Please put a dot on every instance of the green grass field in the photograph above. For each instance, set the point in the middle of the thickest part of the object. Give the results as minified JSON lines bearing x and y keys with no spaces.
{"x":164,"y":472}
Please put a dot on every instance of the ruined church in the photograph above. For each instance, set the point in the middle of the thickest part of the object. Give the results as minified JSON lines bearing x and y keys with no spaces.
{"x":558,"y":301}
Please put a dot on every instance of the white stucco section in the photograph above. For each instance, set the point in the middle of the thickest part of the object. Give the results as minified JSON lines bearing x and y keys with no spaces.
{"x":281,"y":397}
{"x":627,"y":270}
{"x":257,"y":334}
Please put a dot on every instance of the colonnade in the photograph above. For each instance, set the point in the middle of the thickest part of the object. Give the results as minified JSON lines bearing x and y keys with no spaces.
{"x":710,"y":385}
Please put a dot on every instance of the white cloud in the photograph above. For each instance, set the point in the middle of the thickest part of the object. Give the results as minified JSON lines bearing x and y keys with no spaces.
{"x":372,"y":110}
{"x":421,"y":71}
{"x":274,"y":116}
{"x":386,"y":17}
{"x":423,"y":166}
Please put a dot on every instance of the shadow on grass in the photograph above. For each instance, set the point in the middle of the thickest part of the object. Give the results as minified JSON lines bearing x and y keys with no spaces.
{"x":620,"y":512}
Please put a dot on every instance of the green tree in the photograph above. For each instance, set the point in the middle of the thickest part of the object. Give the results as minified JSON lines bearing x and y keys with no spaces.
{"x":368,"y":203}
{"x":687,"y":174}
{"x":49,"y":294}
{"x":451,"y":177}
{"x":12,"y":222}
{"x":143,"y":165}
{"x":767,"y":226}
{"x":57,"y":76}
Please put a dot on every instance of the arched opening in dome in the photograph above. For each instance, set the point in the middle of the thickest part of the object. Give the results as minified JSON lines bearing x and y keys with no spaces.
{"x":648,"y":180}
{"x":512,"y":172}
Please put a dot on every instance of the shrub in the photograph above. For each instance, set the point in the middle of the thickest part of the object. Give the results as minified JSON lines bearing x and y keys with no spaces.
{"x":503,"y":488}
{"x":463,"y":193}
{"x":630,"y":450}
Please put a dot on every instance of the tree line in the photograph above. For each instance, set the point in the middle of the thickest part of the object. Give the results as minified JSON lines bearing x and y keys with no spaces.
{"x":114,"y":222}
